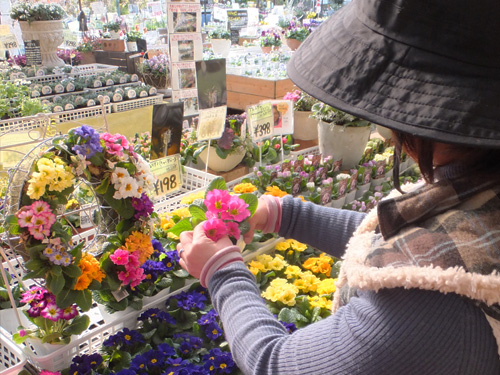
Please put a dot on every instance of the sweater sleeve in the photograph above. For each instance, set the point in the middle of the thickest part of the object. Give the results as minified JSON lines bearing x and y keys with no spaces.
{"x":393,"y":331}
{"x":325,"y":228}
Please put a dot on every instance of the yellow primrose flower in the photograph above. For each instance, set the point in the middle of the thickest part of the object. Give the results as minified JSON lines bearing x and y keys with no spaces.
{"x":35,"y":189}
{"x":257,"y":265}
{"x":166,"y":222}
{"x":321,"y":302}
{"x":72,"y":203}
{"x":181,"y":212}
{"x":265,"y":260}
{"x":245,"y":187}
{"x":292,"y":272}
{"x":172,"y":236}
{"x":275,"y":191}
{"x":298,"y":246}
{"x":310,"y":281}
{"x":192,"y":197}
{"x":327,"y":286}
{"x":278,"y":263}
{"x":254,"y":271}
{"x":282,"y":246}
{"x":287,"y":296}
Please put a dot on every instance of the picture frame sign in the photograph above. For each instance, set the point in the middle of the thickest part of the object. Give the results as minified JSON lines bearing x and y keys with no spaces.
{"x":33,"y":52}
{"x":260,"y":120}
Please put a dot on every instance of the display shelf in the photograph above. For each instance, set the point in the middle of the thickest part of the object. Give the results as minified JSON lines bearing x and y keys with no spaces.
{"x":91,"y":70}
{"x":127,"y":105}
{"x":112,"y":87}
{"x":81,"y":113}
{"x":23,"y":124}
{"x":12,"y":359}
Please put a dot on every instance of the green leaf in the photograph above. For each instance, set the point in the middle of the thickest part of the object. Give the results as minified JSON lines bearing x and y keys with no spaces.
{"x":51,"y":337}
{"x":197,"y":212}
{"x":84,"y":299}
{"x":55,"y":283}
{"x":97,"y":159}
{"x":122,"y":206}
{"x":78,"y":325}
{"x":217,"y":183}
{"x":35,"y":264}
{"x":72,"y":271}
{"x":66,"y":297}
{"x":181,"y":226}
{"x":177,"y":283}
{"x":251,"y":200}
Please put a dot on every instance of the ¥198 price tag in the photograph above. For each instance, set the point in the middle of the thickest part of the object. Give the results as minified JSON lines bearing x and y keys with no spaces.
{"x":260,"y":121}
{"x":167,"y":171}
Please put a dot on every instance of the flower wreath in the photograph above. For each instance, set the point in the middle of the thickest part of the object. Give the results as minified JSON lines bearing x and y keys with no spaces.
{"x":120,"y":180}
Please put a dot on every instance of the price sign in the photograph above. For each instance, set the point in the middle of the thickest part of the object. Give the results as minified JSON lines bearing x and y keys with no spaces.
{"x":260,"y":120}
{"x":168,"y":175}
{"x":70,"y":39}
{"x":211,"y":123}
{"x":8,"y":41}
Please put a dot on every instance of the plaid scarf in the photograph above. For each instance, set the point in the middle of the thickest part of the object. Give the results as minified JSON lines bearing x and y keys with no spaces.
{"x":443,"y":236}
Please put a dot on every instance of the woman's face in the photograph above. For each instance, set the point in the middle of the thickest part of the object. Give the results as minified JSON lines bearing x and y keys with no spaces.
{"x":276,"y":114}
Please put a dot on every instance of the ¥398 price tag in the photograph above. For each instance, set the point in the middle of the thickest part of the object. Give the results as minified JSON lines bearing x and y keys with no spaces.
{"x":260,"y":120}
{"x":167,"y":171}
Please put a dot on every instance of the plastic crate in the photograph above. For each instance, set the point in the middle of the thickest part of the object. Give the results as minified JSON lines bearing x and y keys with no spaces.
{"x":112,"y":87}
{"x":47,"y":78}
{"x":193,"y":180}
{"x":23,"y":124}
{"x":12,"y":359}
{"x":307,"y":151}
{"x":81,"y":113}
{"x":91,"y":70}
{"x":127,"y":105}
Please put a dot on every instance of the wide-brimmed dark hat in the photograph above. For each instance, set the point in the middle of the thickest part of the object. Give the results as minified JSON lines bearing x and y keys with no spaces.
{"x":425,"y":67}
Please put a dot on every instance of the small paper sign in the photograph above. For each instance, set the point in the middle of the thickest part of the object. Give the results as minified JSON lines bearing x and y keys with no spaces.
{"x":282,"y":116}
{"x":87,"y":216}
{"x":260,"y":118}
{"x":8,"y":41}
{"x":33,"y":52}
{"x":168,"y":175}
{"x":70,"y":39}
{"x":211,"y":123}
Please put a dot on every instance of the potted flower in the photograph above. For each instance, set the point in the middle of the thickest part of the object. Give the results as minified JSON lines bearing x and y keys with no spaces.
{"x":305,"y":126}
{"x":87,"y":47}
{"x":269,"y":40}
{"x":154,"y":71}
{"x":295,"y":35}
{"x":132,"y":36}
{"x":221,"y":41}
{"x":70,"y":57}
{"x":113,"y":28}
{"x":340,"y":134}
{"x":41,"y":22}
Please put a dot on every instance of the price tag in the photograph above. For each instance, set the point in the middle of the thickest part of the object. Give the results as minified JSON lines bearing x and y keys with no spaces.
{"x":211,"y":123}
{"x":260,"y":120}
{"x":167,"y":171}
{"x":70,"y":39}
{"x":87,"y":216}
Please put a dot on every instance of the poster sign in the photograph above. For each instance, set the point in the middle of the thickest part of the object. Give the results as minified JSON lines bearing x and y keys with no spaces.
{"x":167,"y":171}
{"x":166,"y":131}
{"x":261,"y":121}
{"x":211,"y":83}
{"x":238,"y":18}
{"x":33,"y":53}
{"x":211,"y":123}
{"x":183,"y":75}
{"x":184,"y":18}
{"x":282,"y":116}
{"x":186,"y":47}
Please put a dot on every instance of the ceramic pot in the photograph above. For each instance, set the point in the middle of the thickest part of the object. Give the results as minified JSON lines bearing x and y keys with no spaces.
{"x":132,"y":46}
{"x":221,"y":47}
{"x":266,"y":49}
{"x":343,"y":142}
{"x":293,"y":44}
{"x":114,"y":34}
{"x":217,"y":164}
{"x":305,"y":127}
{"x":50,"y":35}
{"x":88,"y":58}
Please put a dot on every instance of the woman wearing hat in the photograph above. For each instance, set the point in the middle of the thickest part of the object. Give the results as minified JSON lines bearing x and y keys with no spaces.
{"x":419,"y":289}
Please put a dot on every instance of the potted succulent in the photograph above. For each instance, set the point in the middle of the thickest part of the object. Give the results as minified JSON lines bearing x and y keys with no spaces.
{"x":295,"y":35}
{"x":41,"y":22}
{"x":221,"y":41}
{"x":269,"y":40}
{"x":305,"y":126}
{"x":132,"y":37}
{"x":340,"y":134}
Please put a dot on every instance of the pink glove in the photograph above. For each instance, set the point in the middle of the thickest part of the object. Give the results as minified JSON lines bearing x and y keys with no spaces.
{"x":202,"y":257}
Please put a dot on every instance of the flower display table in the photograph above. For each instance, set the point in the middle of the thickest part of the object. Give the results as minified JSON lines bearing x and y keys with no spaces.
{"x":245,"y":91}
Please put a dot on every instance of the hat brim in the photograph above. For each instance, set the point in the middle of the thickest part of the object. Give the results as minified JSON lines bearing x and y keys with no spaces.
{"x":348,"y":65}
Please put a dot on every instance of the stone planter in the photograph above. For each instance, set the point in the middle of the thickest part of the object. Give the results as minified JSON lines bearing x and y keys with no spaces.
{"x":132,"y":46}
{"x":217,"y":164}
{"x":88,"y":58}
{"x":221,"y":47}
{"x":293,"y":44}
{"x":50,"y":35}
{"x":305,"y":127}
{"x":343,"y":142}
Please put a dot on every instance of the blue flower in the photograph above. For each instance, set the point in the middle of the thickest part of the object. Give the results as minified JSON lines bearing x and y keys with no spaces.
{"x":126,"y":337}
{"x":154,"y":358}
{"x":126,"y":372}
{"x":189,"y":300}
{"x":83,"y":365}
{"x":153,"y":270}
{"x":157,"y":314}
{"x":219,"y":362}
{"x":170,"y":259}
{"x":166,"y":350}
{"x":194,"y":341}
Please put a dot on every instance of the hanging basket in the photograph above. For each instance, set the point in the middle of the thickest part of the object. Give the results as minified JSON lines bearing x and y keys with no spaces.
{"x":158,"y":82}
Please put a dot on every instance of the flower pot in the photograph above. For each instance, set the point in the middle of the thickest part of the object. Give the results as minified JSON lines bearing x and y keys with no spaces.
{"x":221,"y":46}
{"x":50,"y":35}
{"x":158,"y":82}
{"x":351,"y":196}
{"x":217,"y":164}
{"x":343,"y":142}
{"x":362,"y":189}
{"x":384,"y":132}
{"x":266,"y":49}
{"x":293,"y":44}
{"x":378,"y":181}
{"x":88,"y":58}
{"x":132,"y":46}
{"x":337,"y":203}
{"x":305,"y":127}
{"x":114,"y":34}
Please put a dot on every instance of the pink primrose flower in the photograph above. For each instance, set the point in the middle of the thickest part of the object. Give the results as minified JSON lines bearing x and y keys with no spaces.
{"x":69,"y":312}
{"x":215,"y":229}
{"x":277,"y":146}
{"x":115,"y":143}
{"x":39,"y":232}
{"x":237,"y":210}
{"x":50,"y":372}
{"x":133,"y":261}
{"x":22,"y":332}
{"x":35,"y":293}
{"x":233,"y":229}
{"x":120,"y":257}
{"x":132,"y":276}
{"x":52,"y":312}
{"x":25,"y":218}
{"x":216,"y":200}
{"x":40,"y":207}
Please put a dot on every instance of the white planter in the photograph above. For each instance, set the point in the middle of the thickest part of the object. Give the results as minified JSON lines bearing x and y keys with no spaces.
{"x":384,"y":132}
{"x":340,"y":142}
{"x":114,"y":34}
{"x":305,"y":127}
{"x":50,"y":35}
{"x":221,"y":46}
{"x":378,"y":181}
{"x":132,"y":46}
{"x":217,"y":164}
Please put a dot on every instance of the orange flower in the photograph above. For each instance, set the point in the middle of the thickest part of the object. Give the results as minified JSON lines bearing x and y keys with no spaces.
{"x":140,"y":242}
{"x":244,"y":187}
{"x":275,"y":191}
{"x":90,"y":271}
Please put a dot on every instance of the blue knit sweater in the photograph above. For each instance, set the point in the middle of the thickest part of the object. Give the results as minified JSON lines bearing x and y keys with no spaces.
{"x":394,"y":331}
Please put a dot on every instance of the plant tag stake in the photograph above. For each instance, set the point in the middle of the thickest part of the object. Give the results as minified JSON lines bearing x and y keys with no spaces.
{"x":168,"y":175}
{"x":120,"y":294}
{"x":260,"y":121}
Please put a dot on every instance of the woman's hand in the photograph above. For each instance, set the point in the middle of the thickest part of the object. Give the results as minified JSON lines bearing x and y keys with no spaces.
{"x":258,"y":220}
{"x":198,"y":249}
